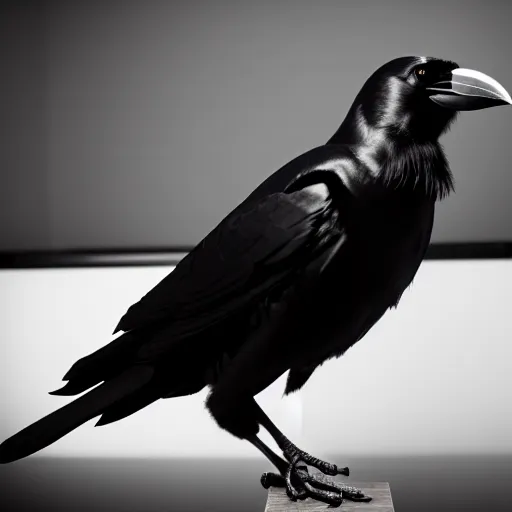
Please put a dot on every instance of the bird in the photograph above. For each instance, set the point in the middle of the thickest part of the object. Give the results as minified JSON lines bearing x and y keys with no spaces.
{"x":295,"y":275}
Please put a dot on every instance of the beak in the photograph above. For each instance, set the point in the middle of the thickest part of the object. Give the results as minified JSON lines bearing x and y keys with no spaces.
{"x":466,"y":89}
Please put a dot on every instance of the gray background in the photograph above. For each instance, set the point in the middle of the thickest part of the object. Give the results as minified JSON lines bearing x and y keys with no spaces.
{"x":141,"y":124}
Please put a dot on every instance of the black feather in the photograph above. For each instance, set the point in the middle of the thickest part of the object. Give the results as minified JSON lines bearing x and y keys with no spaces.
{"x":131,"y":404}
{"x":103,"y":364}
{"x":62,"y":421}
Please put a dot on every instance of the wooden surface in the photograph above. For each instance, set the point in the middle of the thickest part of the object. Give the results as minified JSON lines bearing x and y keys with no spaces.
{"x":278,"y":501}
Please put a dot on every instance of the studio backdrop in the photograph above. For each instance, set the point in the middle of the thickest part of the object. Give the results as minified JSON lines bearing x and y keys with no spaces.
{"x":140,"y":125}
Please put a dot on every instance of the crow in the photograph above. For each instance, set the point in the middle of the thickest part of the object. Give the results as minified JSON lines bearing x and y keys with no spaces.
{"x":293,"y":276}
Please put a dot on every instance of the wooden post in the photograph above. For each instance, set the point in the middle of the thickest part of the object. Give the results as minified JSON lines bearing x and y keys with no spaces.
{"x":278,"y":501}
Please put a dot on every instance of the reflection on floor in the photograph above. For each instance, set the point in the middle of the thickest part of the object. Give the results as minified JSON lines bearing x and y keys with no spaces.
{"x":418,"y":484}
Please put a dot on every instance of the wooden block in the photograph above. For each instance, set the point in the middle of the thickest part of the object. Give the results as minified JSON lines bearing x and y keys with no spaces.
{"x":278,"y":501}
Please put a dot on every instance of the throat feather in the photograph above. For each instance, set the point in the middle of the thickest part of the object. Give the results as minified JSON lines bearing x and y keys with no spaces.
{"x":422,"y":167}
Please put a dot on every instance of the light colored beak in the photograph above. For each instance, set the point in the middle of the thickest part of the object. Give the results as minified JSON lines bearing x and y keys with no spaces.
{"x":467,"y":89}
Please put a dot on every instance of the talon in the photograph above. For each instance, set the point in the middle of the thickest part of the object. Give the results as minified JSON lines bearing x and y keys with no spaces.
{"x":344,"y":471}
{"x":355,"y":494}
{"x":272,"y":480}
{"x":359,"y":496}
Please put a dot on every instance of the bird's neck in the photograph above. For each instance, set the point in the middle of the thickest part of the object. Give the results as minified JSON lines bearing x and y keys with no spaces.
{"x":395,"y":158}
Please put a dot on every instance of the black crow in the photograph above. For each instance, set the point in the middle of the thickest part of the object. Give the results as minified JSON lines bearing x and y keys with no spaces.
{"x":295,"y":275}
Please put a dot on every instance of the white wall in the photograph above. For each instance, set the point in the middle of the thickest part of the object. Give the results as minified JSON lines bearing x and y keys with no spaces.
{"x":433,"y":376}
{"x":50,"y":318}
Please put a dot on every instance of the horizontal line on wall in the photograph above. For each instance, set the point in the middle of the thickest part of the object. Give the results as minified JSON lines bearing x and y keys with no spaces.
{"x":469,"y":250}
{"x":155,"y":257}
{"x":91,"y":258}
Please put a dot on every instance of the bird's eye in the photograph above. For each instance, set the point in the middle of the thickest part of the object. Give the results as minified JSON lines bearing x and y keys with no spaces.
{"x":421,"y":72}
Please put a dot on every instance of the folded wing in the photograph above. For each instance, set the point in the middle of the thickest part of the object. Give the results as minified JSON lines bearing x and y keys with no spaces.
{"x":260,"y":245}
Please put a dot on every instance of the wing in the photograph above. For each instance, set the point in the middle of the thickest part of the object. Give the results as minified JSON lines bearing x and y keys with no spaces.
{"x":259,"y":246}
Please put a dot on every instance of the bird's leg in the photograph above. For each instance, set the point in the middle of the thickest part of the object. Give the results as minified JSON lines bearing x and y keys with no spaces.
{"x":296,"y":469}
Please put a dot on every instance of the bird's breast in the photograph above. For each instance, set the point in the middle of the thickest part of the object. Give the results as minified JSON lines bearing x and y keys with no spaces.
{"x":379,"y":260}
{"x":387,"y":243}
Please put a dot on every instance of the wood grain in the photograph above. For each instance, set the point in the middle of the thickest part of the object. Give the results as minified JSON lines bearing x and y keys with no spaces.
{"x":278,"y":501}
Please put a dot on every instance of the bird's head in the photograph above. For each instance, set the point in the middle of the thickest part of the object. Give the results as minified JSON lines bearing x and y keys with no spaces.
{"x":420,"y":96}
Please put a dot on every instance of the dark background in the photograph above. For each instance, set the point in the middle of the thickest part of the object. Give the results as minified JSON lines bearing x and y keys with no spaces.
{"x":142,"y":123}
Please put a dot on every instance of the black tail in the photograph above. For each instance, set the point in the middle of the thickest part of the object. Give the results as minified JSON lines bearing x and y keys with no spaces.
{"x":62,"y":421}
{"x":162,"y":385}
{"x":103,"y":364}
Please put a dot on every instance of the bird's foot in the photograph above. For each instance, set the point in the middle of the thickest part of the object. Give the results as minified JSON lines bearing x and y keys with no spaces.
{"x":301,"y":485}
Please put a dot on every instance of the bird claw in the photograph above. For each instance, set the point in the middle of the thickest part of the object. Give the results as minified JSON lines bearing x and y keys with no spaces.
{"x":300,"y":485}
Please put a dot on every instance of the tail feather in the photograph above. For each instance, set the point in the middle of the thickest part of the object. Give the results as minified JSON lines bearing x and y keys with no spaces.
{"x":62,"y":421}
{"x":75,"y":387}
{"x":129,"y":406}
{"x":116,"y":353}
{"x":164,"y":384}
{"x":102,"y":365}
